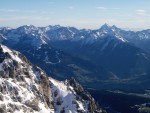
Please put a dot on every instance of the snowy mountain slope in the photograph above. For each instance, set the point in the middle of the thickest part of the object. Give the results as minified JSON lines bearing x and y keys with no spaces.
{"x":140,"y":39}
{"x":71,"y":98}
{"x":26,"y":88}
{"x":61,"y":33}
{"x":27,"y":34}
{"x":36,"y":36}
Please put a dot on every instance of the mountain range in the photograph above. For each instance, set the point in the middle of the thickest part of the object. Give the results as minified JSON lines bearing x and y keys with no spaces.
{"x":105,"y":58}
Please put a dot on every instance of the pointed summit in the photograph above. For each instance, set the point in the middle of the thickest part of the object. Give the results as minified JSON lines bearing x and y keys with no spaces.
{"x":114,"y":26}
{"x":105,"y":27}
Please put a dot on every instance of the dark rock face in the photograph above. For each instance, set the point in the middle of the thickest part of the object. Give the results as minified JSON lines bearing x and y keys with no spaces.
{"x":33,"y":104}
{"x":3,"y":108}
{"x":82,"y":94}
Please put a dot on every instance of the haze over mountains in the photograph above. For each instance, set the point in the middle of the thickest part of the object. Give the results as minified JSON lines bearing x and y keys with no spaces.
{"x":108,"y":57}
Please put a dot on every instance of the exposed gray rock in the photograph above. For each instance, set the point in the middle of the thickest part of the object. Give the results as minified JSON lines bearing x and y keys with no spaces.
{"x":3,"y":108}
{"x":82,"y":94}
{"x":33,"y":104}
{"x":1,"y":97}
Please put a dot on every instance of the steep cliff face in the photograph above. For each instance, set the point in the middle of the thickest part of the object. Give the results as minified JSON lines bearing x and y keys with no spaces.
{"x":25,"y":88}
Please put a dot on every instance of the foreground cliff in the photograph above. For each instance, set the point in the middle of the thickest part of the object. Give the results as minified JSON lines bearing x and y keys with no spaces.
{"x":25,"y":88}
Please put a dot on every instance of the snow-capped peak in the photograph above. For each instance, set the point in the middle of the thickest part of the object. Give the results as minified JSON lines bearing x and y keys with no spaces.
{"x":27,"y":29}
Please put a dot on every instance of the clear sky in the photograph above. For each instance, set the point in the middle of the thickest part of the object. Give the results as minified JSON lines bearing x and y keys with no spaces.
{"x":79,"y":13}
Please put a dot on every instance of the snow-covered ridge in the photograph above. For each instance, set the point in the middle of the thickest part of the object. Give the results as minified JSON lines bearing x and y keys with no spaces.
{"x":25,"y":88}
{"x":40,"y":35}
{"x":36,"y":36}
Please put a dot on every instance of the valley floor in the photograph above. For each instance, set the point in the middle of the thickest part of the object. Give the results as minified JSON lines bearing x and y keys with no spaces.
{"x":123,"y":101}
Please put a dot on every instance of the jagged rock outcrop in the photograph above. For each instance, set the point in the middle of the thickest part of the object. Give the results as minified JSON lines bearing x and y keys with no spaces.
{"x":82,"y":94}
{"x":25,"y":88}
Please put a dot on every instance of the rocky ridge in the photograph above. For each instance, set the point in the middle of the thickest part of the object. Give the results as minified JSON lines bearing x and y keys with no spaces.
{"x":26,"y":88}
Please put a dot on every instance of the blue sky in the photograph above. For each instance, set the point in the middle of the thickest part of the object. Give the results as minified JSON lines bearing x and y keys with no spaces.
{"x":79,"y":13}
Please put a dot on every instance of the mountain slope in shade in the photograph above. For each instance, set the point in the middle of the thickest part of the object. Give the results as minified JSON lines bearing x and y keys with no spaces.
{"x":26,"y":88}
{"x":140,"y":39}
{"x":62,"y":65}
{"x":107,"y":48}
{"x":104,"y":56}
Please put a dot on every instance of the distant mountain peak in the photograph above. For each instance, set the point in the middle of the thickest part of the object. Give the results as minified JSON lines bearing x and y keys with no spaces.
{"x":26,"y":26}
{"x":105,"y":26}
{"x":115,"y":27}
{"x":108,"y":27}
